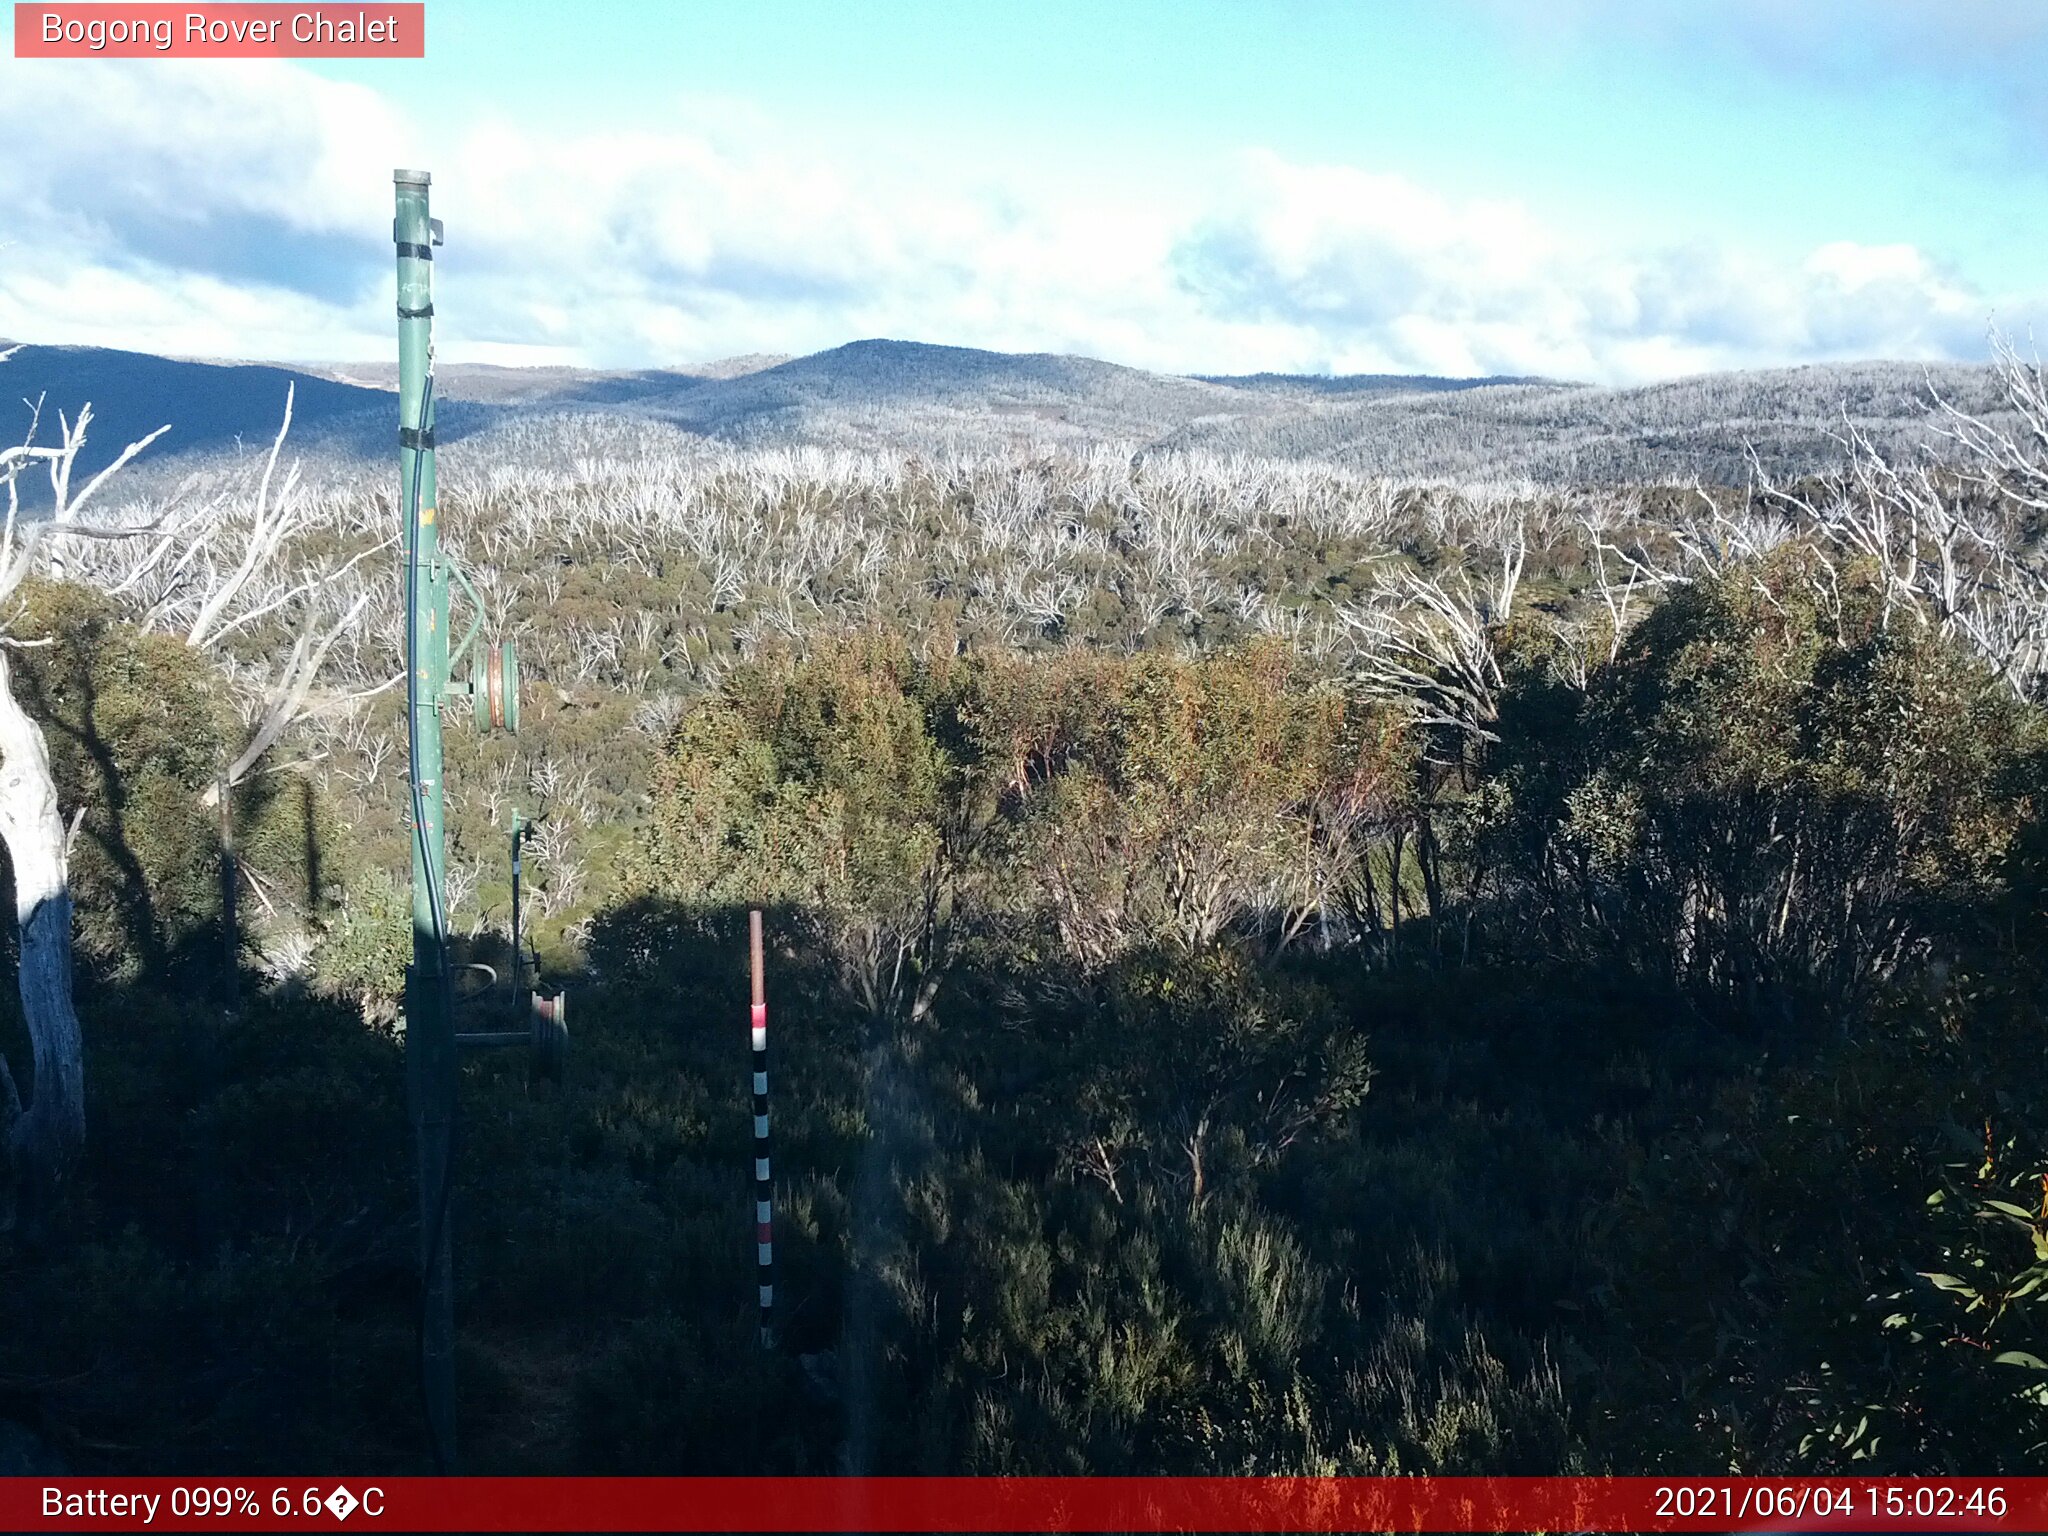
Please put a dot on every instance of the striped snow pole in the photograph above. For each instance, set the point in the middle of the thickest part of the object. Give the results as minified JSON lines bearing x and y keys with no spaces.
{"x":764,"y":1212}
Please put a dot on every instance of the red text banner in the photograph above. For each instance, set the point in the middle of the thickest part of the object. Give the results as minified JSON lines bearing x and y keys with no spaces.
{"x":944,"y":1504}
{"x":234,"y":31}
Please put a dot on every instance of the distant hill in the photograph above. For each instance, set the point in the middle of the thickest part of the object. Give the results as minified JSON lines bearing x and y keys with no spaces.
{"x":493,"y":384}
{"x":210,"y":407}
{"x":1700,"y":427}
{"x":915,"y":397}
{"x":1361,"y":383}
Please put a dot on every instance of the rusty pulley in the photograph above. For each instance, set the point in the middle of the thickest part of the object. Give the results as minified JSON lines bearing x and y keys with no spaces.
{"x":494,"y":688}
{"x":550,"y":1032}
{"x":546,"y":1033}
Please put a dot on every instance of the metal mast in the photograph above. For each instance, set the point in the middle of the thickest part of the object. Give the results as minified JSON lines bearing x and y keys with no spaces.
{"x":429,"y":992}
{"x":492,"y":689}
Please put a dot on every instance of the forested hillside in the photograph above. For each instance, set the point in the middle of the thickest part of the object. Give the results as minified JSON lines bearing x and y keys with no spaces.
{"x":1275,"y":967}
{"x":900,"y":398}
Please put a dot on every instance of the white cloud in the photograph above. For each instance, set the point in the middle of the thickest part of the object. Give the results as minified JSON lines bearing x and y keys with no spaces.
{"x":176,"y":140}
{"x":1394,"y":277}
{"x":244,"y":211}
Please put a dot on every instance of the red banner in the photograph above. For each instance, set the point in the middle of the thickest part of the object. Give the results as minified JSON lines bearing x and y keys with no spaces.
{"x":966,"y":1504}
{"x":341,"y":31}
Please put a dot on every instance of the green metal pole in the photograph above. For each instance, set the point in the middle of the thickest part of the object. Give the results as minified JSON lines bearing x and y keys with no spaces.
{"x":430,"y":1025}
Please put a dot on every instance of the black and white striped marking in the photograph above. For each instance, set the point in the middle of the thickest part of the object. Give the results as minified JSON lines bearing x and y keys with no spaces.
{"x":764,"y":1211}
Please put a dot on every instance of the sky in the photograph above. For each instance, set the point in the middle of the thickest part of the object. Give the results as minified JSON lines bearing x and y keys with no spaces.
{"x":1610,"y":190}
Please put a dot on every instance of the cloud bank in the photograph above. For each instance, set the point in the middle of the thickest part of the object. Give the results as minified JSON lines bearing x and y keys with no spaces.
{"x":243,"y":211}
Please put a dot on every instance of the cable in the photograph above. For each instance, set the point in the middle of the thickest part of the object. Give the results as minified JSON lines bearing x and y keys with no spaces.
{"x":438,"y":1225}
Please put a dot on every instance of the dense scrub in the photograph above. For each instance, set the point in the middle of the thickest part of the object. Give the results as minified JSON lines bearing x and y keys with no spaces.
{"x":1184,"y":1060}
{"x":1272,"y":970}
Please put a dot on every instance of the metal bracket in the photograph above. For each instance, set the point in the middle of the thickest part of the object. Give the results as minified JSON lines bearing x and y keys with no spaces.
{"x":546,"y":1032}
{"x":476,"y":603}
{"x":493,"y":684}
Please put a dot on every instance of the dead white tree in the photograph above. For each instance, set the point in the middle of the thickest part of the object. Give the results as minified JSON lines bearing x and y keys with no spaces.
{"x":1427,"y":644}
{"x":228,"y":567}
{"x":285,"y":700}
{"x":1947,"y":536}
{"x":2010,"y":463}
{"x":60,"y":459}
{"x":43,"y":1137}
{"x":1617,"y":597}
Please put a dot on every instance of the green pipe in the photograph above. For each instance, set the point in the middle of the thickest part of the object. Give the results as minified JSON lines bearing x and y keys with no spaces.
{"x":430,"y":1025}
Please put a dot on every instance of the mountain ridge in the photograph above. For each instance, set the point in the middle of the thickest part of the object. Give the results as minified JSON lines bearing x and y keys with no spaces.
{"x":877,"y":393}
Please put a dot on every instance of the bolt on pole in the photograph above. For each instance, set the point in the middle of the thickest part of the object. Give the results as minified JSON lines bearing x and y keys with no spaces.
{"x":430,"y":1024}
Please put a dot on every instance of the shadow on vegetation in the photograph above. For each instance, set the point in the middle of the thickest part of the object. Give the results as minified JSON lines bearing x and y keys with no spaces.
{"x":1619,"y":1161}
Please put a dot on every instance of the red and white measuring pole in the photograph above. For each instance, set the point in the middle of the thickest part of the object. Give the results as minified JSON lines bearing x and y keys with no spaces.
{"x":764,"y":1210}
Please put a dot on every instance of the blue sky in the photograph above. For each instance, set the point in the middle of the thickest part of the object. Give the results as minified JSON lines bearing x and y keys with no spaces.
{"x":1707,"y":117}
{"x":1592,"y":188}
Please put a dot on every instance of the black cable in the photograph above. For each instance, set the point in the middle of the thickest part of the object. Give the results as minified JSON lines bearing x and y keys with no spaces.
{"x":438,"y":1225}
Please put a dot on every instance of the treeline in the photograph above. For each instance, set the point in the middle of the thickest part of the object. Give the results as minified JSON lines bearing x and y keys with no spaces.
{"x":1784,"y":422}
{"x":905,"y":399}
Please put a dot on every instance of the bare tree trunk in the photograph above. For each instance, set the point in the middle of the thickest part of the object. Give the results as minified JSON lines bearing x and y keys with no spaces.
{"x":44,"y":1140}
{"x":1426,"y":858}
{"x":1197,"y":1143}
{"x":1400,"y":837}
{"x":230,"y":888}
